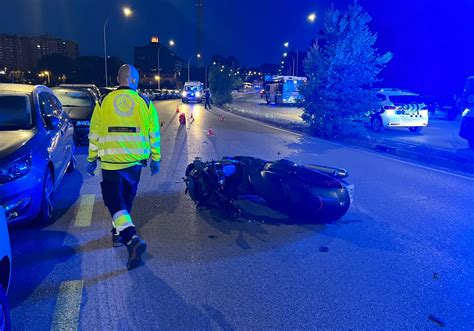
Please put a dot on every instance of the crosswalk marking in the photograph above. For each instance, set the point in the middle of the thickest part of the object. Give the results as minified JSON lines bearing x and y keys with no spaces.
{"x":68,"y":306}
{"x":84,"y":213}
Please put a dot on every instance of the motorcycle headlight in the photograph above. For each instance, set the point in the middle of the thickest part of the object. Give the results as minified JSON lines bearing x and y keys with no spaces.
{"x":465,"y":112}
{"x":15,"y":169}
{"x":198,"y":94}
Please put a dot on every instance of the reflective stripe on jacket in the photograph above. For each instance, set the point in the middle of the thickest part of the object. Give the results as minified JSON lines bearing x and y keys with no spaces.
{"x":124,"y":130}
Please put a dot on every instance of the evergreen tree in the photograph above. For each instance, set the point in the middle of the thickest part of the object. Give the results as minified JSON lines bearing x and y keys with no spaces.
{"x":342,"y":66}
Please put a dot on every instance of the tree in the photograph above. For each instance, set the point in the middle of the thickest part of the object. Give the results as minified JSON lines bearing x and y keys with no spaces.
{"x":221,"y":82}
{"x":342,"y":66}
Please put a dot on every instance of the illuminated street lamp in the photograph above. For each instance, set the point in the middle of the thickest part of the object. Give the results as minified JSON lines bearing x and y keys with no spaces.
{"x":46,"y":74}
{"x":171,"y":42}
{"x":312,"y":17}
{"x":285,"y":54}
{"x":127,"y":12}
{"x":287,"y":44}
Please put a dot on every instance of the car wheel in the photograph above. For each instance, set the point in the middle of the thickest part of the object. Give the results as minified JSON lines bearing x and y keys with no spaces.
{"x":47,"y":201}
{"x":376,"y":124}
{"x":415,"y":129}
{"x":72,"y":164}
{"x":4,"y":311}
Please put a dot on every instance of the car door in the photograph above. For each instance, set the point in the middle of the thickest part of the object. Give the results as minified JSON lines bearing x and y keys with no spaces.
{"x":66,"y":139}
{"x":53,"y":133}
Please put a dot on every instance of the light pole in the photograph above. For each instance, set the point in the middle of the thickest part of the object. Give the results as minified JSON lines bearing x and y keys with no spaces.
{"x":189,"y":64}
{"x":127,"y":12}
{"x":158,"y":69}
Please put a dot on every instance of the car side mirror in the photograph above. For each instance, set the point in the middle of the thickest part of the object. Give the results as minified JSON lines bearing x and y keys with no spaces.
{"x":52,"y":122}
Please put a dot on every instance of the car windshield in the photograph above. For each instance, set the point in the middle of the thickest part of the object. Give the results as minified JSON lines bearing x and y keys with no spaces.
{"x":15,"y":112}
{"x":406,"y":99}
{"x":191,"y":88}
{"x":73,"y":98}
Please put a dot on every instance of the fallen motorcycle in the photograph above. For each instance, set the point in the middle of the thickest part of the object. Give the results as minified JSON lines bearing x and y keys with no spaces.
{"x":313,"y":192}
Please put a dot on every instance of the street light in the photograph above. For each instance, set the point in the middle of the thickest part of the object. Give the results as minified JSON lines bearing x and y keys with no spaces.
{"x":158,"y":69}
{"x":127,"y":12}
{"x":46,"y":74}
{"x":158,"y":79}
{"x":285,"y":54}
{"x":312,"y":17}
{"x":287,"y":44}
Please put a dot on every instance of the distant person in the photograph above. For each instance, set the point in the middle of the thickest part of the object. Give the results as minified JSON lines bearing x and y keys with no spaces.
{"x":124,"y":133}
{"x":207,"y":95}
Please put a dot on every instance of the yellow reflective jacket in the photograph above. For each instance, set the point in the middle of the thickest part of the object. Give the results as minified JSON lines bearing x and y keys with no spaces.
{"x":124,"y":130}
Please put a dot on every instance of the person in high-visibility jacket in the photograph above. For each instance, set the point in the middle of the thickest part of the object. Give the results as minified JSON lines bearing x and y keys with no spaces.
{"x":124,"y":134}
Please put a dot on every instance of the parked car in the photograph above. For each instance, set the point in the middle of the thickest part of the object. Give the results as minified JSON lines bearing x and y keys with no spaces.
{"x":5,"y":272}
{"x":93,"y":87}
{"x":466,"y":130}
{"x":79,"y":105}
{"x":36,"y":150}
{"x":399,"y":108}
{"x":157,"y":95}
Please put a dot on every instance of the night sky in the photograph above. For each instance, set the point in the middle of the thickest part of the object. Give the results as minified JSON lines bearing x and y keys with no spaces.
{"x":433,"y":41}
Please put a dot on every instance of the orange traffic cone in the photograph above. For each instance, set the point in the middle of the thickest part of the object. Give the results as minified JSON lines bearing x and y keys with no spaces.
{"x":177,"y":108}
{"x":210,"y":132}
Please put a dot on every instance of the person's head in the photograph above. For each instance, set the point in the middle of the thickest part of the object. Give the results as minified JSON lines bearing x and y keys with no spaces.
{"x":128,"y":76}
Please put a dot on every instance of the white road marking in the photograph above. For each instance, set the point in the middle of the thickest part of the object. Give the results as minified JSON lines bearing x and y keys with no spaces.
{"x":347,"y":146}
{"x":68,"y":306}
{"x":84,"y":213}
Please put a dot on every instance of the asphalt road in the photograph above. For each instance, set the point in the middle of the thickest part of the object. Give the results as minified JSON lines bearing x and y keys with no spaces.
{"x":401,"y":258}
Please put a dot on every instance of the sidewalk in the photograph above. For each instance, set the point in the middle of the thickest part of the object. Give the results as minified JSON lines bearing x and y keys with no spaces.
{"x":438,"y":144}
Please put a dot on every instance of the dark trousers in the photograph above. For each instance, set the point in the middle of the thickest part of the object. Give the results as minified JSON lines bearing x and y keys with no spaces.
{"x":208,"y":104}
{"x":119,"y":189}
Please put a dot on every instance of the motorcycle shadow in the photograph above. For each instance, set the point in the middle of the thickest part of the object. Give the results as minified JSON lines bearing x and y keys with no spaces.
{"x":258,"y":212}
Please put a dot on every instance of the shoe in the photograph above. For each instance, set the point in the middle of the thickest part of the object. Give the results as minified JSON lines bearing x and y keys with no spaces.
{"x":135,"y":250}
{"x":116,"y":238}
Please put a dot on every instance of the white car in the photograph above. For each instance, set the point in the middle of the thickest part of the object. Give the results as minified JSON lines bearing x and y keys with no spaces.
{"x":400,"y":108}
{"x":5,"y":272}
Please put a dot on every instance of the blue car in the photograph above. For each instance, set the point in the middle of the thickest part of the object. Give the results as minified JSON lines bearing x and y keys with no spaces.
{"x":5,"y":272}
{"x":36,"y":150}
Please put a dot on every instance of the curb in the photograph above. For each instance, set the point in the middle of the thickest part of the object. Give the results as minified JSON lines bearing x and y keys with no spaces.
{"x":459,"y":161}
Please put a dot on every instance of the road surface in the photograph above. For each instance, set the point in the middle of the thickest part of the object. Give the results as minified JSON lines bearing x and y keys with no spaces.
{"x":401,"y":258}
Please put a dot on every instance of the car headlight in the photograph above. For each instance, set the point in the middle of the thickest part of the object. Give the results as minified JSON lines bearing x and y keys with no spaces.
{"x":15,"y":169}
{"x":465,"y":112}
{"x":198,"y":94}
{"x":184,"y":94}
